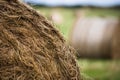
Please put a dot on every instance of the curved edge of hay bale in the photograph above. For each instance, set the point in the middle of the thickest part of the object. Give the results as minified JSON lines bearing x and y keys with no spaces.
{"x":31,"y":48}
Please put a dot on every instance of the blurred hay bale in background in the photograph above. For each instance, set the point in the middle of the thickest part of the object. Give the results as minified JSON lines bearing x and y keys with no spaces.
{"x":31,"y":48}
{"x":57,"y":17}
{"x":116,"y":43}
{"x":92,"y":36}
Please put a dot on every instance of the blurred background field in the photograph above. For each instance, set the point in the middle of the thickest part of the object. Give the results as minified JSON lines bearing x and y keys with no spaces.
{"x":65,"y":19}
{"x":69,"y":15}
{"x":94,"y":69}
{"x":100,"y":69}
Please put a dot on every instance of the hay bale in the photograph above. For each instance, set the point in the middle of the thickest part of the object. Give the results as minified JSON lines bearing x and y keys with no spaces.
{"x":57,"y":17}
{"x":116,"y":43}
{"x":92,"y":37}
{"x":31,"y":48}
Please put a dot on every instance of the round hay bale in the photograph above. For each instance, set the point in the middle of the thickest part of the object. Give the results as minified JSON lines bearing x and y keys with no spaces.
{"x":116,"y":43}
{"x":92,"y":37}
{"x":57,"y":17}
{"x":31,"y":48}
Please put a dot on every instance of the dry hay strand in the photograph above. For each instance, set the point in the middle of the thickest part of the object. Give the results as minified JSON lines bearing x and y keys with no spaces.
{"x":31,"y":48}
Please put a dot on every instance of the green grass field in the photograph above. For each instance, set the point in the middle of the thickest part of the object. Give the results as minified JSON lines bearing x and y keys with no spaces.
{"x":100,"y":69}
{"x":90,"y":69}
